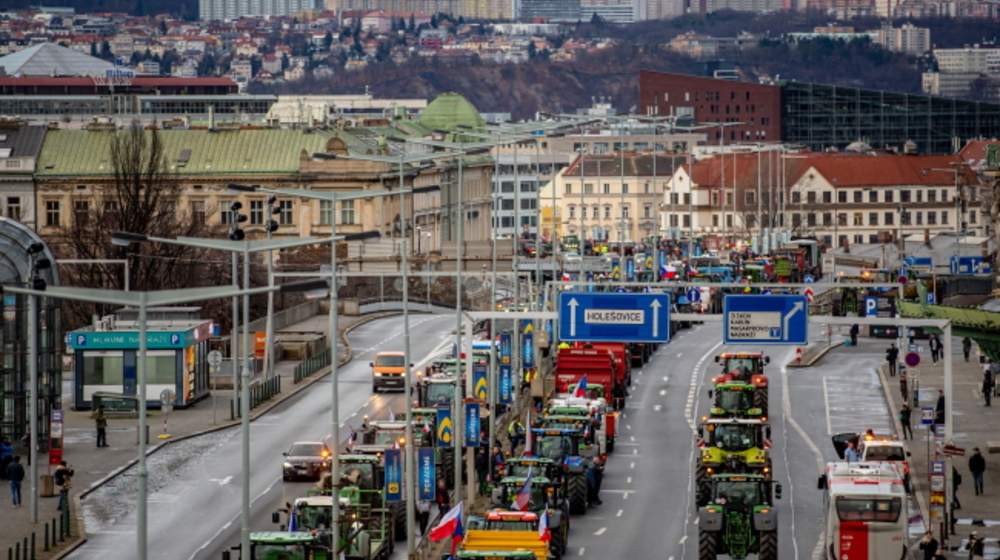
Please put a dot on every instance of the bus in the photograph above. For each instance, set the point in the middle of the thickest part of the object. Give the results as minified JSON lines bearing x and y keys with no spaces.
{"x":866,"y":517}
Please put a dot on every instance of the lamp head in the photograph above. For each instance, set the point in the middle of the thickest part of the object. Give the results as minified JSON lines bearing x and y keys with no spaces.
{"x":36,"y":248}
{"x":42,"y":264}
{"x":124,"y":238}
{"x":237,"y":188}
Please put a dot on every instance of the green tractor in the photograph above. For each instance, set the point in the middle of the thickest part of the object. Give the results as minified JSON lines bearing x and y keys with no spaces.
{"x":567,"y":448}
{"x":737,"y":399}
{"x":362,"y":480}
{"x":518,"y":467}
{"x":738,"y":517}
{"x":734,"y":446}
{"x":546,"y":495}
{"x":285,"y":545}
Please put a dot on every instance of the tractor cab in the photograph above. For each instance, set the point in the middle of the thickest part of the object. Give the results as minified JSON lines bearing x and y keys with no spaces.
{"x":737,"y":517}
{"x":736,"y":399}
{"x":518,"y":467}
{"x":734,"y":446}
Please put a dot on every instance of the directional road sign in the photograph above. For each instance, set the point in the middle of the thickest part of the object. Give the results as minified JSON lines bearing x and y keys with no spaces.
{"x":694,"y":295}
{"x":774,"y":319}
{"x":808,"y":279}
{"x":912,"y":359}
{"x":604,"y":317}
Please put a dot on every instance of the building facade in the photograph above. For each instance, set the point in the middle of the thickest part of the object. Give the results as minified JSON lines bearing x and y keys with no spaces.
{"x":217,"y":10}
{"x":20,"y":145}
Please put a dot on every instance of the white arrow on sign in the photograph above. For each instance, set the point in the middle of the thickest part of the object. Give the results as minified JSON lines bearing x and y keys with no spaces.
{"x":795,"y":309}
{"x":572,"y":316}
{"x":656,"y":317}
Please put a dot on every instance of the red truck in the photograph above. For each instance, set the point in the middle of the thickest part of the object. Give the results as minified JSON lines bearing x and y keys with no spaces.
{"x":623,"y":359}
{"x":601,"y":366}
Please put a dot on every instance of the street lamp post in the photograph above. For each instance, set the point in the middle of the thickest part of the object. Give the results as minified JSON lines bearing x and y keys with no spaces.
{"x":410,"y":461}
{"x":144,"y":300}
{"x":234,"y":245}
{"x":333,"y":198}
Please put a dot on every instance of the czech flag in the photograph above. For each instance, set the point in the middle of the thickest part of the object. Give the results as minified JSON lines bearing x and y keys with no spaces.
{"x":581,"y":388}
{"x":450,"y":526}
{"x":586,"y":430}
{"x":544,"y":534}
{"x":524,"y":494}
{"x":353,"y":438}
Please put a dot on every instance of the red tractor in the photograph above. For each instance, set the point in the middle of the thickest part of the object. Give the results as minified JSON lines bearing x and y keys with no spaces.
{"x":746,"y":367}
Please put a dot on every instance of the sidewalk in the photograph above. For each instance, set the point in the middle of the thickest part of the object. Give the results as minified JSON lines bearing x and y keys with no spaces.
{"x":95,"y":466}
{"x":975,"y":426}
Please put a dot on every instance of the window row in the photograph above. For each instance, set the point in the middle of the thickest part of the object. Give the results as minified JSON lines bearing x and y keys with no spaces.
{"x":283,"y":212}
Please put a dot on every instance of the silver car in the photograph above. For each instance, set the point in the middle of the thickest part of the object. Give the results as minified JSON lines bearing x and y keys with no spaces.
{"x":305,"y":459}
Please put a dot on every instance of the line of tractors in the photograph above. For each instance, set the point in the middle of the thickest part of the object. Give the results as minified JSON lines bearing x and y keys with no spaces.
{"x":734,"y":487}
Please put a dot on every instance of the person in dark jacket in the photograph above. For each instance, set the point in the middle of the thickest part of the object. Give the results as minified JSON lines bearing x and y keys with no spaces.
{"x":854,"y":334}
{"x":939,"y":408}
{"x":482,"y":469}
{"x":891,"y":356}
{"x":929,"y":545}
{"x":935,"y":345}
{"x":988,"y":387}
{"x":15,"y":472}
{"x":956,"y":481}
{"x":905,"y":415}
{"x":977,"y":466}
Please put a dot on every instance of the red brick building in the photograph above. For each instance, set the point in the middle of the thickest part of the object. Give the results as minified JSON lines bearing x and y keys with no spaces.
{"x":756,"y":107}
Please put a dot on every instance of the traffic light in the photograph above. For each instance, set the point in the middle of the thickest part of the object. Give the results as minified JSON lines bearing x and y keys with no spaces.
{"x":272,"y":210}
{"x":235,"y":219}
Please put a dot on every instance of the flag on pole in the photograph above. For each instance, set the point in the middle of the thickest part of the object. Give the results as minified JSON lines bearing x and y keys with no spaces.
{"x":392,"y":416}
{"x":586,"y":430}
{"x":544,"y":534}
{"x":353,"y":437}
{"x":450,"y":526}
{"x":426,"y":428}
{"x":293,"y":521}
{"x":581,"y":388}
{"x":524,"y":494}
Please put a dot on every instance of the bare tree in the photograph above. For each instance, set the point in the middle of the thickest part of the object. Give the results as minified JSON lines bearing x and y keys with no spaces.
{"x":141,"y":196}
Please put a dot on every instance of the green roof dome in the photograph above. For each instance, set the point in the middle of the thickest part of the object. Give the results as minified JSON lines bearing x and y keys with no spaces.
{"x":449,"y":110}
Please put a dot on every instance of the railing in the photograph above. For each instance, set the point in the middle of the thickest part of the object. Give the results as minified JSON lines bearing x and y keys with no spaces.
{"x":311,"y":365}
{"x":56,"y":531}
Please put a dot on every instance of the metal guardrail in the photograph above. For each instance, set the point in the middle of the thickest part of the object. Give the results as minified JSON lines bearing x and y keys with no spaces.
{"x":311,"y":365}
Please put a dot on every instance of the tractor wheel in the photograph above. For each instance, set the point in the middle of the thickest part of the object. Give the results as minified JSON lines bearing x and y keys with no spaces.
{"x":708,"y":545}
{"x":399,"y":520}
{"x":558,"y":543}
{"x":577,"y":487}
{"x":760,"y":399}
{"x":768,"y":546}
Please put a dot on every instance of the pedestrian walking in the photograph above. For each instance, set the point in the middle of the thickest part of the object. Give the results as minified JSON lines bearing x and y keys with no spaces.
{"x":482,"y":470}
{"x":935,"y":345}
{"x":101,"y":422}
{"x":423,"y":515}
{"x":15,"y":473}
{"x":976,"y":546}
{"x":6,"y":456}
{"x":442,"y":498}
{"x":977,"y":466}
{"x":63,"y":477}
{"x":939,"y":408}
{"x":988,"y":387}
{"x":966,"y":347}
{"x":956,"y":481}
{"x":929,"y":545}
{"x":891,"y":356}
{"x":904,"y":386}
{"x":851,"y":453}
{"x":854,"y":334}
{"x":516,"y":432}
{"x":905,"y":415}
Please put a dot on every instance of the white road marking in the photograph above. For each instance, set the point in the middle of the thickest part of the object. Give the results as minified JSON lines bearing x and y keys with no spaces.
{"x":221,"y":481}
{"x":694,"y":387}
{"x":679,"y":354}
{"x":581,"y":550}
{"x":663,"y":392}
{"x":631,"y":466}
{"x":620,"y":512}
{"x":629,"y":481}
{"x":684,"y":538}
{"x":666,"y":378}
{"x":826,"y":400}
{"x":657,"y":407}
{"x":695,"y":522}
{"x":635,"y":451}
{"x":625,"y":495}
{"x":631,"y":438}
{"x":600,"y":531}
{"x":628,"y":426}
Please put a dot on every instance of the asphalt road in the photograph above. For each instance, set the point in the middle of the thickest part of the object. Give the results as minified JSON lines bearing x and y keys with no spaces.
{"x":198,"y":515}
{"x":648,"y":509}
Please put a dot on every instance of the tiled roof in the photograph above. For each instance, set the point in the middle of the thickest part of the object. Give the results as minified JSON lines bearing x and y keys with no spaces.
{"x":857,"y":170}
{"x":636,"y":165}
{"x":974,"y":153}
{"x":22,"y":140}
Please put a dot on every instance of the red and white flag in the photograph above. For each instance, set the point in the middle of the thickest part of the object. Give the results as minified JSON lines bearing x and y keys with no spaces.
{"x":524,"y":494}
{"x":450,"y":526}
{"x":544,"y":534}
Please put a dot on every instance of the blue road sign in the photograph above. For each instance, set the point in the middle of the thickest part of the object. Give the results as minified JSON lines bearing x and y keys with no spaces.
{"x":773,"y":319}
{"x":927,"y":415}
{"x":912,"y":359}
{"x":808,"y":279}
{"x":694,"y":295}
{"x":766,"y":292}
{"x":604,"y":317}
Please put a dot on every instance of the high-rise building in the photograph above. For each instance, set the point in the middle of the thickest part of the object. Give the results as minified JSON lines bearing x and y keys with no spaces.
{"x":552,"y":10}
{"x":210,"y":10}
{"x":906,"y":38}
